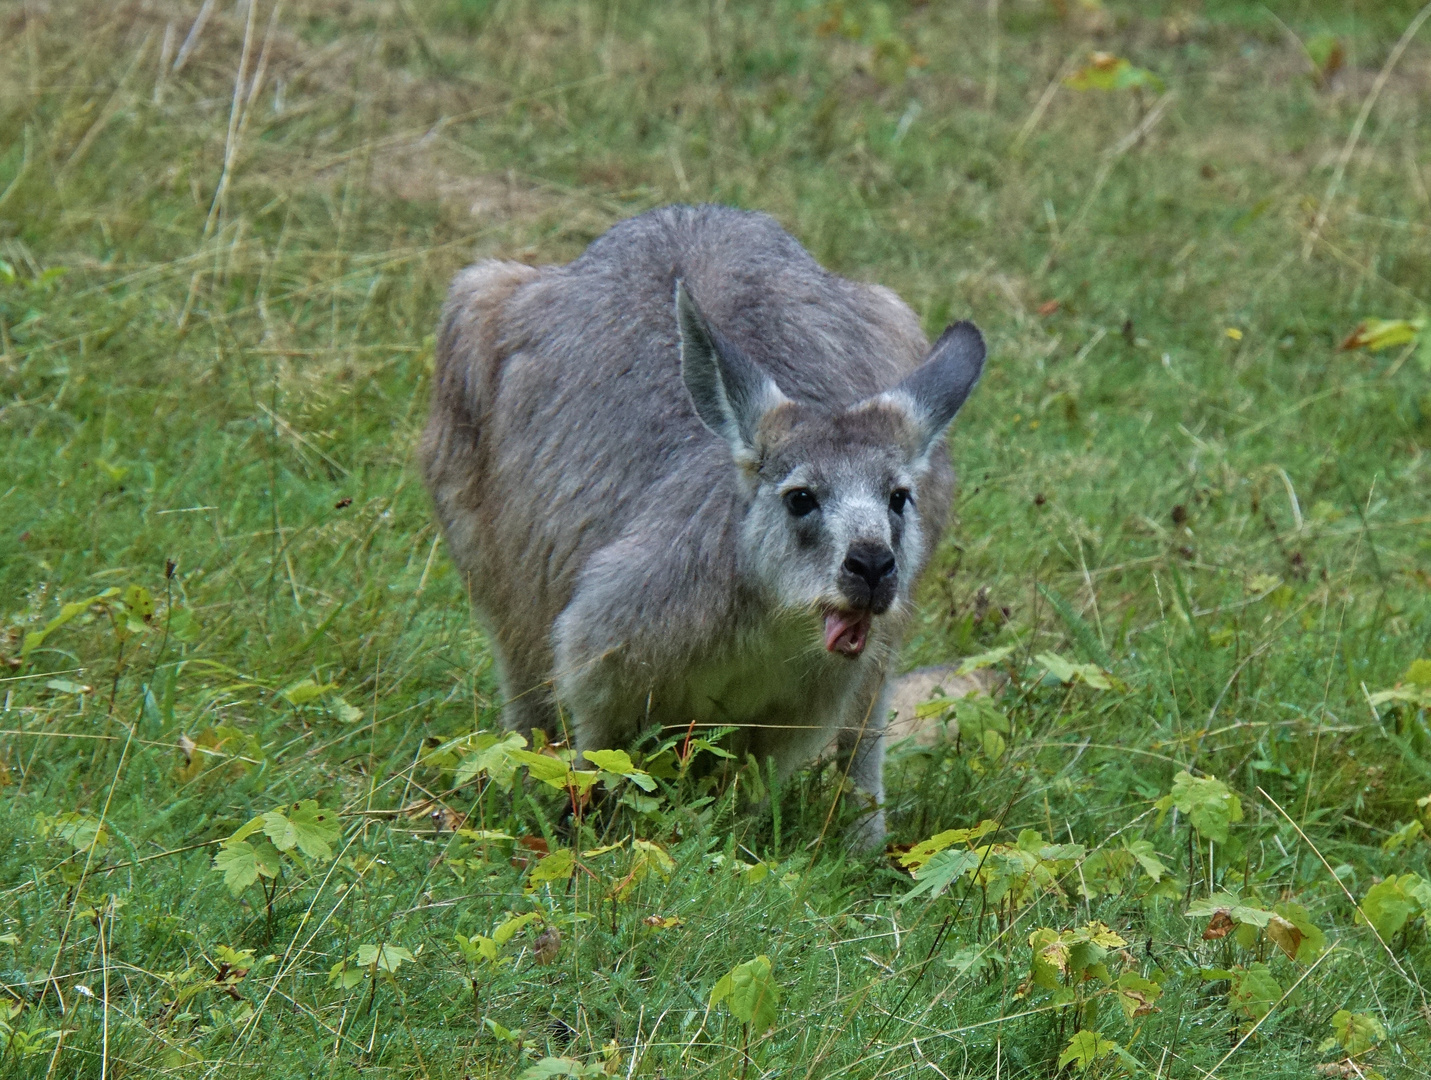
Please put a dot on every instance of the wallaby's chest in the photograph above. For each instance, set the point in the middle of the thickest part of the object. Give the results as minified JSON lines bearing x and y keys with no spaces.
{"x":777,"y":674}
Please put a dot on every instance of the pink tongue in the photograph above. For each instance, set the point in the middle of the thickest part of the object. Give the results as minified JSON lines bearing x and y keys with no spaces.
{"x":845,"y":632}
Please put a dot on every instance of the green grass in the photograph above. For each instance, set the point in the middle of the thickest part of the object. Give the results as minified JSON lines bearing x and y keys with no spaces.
{"x":230,"y":374}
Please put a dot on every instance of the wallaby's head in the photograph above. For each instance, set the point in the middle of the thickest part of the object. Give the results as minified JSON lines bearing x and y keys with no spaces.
{"x":833,"y":525}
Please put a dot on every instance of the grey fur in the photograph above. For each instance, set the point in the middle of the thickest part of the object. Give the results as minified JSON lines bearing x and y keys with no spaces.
{"x":609,"y":461}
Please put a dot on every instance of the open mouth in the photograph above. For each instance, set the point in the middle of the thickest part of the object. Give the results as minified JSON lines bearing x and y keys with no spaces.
{"x":846,"y":631}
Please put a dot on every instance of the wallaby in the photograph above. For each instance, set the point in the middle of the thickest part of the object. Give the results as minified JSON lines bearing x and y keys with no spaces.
{"x":690,"y":478}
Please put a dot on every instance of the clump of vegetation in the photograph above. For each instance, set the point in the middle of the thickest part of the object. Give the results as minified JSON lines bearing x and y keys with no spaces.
{"x":256,"y":809}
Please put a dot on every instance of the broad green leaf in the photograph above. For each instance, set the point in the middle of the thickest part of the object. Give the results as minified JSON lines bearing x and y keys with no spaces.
{"x":615,"y":761}
{"x":543,"y":767}
{"x":504,"y":932}
{"x":81,"y":831}
{"x":1355,"y":1033}
{"x":1254,"y":991}
{"x":1084,"y":1049}
{"x":925,"y":850}
{"x":477,"y":947}
{"x":1147,"y":857}
{"x":36,"y":638}
{"x":387,"y":957}
{"x":619,"y":762}
{"x":491,"y":755}
{"x":557,"y":866}
{"x":1404,"y":836}
{"x":1418,"y":674}
{"x":1067,"y":672}
{"x":561,"y":1066}
{"x":304,"y":691}
{"x":314,"y":828}
{"x":1208,"y":803}
{"x":254,"y":825}
{"x":984,"y":659}
{"x":243,"y":863}
{"x":751,"y":993}
{"x":1389,"y":905}
{"x":941,"y":871}
{"x":1104,"y":71}
{"x":139,"y":603}
{"x":345,"y":975}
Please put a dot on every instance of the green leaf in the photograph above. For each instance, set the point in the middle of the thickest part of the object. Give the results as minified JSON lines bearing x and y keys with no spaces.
{"x":940,"y":872}
{"x":925,"y":850}
{"x":243,"y":863}
{"x":1419,"y":673}
{"x":477,"y":947}
{"x":304,"y":691}
{"x":81,"y":831}
{"x":750,"y":993}
{"x":1356,"y":1033}
{"x":387,"y":957}
{"x":36,"y":638}
{"x":615,"y":761}
{"x":543,"y":767}
{"x":314,"y":828}
{"x":557,"y":866}
{"x":1208,"y":803}
{"x":1084,"y":1049}
{"x":1233,"y":906}
{"x":619,"y":762}
{"x":1254,"y":991}
{"x":1404,"y":836}
{"x":561,"y":1066}
{"x":504,"y":932}
{"x":984,"y":659}
{"x":1389,"y":905}
{"x":1068,"y":673}
{"x":491,"y":755}
{"x":1147,"y":857}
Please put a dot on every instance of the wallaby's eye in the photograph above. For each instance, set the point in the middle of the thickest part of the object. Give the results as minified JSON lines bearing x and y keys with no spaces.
{"x":898,"y":499}
{"x":800,"y":501}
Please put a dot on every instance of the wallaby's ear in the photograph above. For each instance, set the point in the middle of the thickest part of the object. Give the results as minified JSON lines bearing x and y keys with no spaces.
{"x":729,"y":390}
{"x":933,"y":393}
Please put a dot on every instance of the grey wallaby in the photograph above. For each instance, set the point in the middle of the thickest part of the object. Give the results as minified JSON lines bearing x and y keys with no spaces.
{"x":691,"y":478}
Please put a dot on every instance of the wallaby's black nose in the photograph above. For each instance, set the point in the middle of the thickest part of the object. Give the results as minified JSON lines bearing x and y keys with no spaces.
{"x":871,"y":562}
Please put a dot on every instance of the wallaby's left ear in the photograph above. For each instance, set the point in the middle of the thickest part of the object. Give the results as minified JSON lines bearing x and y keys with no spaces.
{"x":730,"y":392}
{"x":933,"y":393}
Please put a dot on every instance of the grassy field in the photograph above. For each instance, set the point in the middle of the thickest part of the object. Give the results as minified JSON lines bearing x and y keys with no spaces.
{"x":1193,"y":531}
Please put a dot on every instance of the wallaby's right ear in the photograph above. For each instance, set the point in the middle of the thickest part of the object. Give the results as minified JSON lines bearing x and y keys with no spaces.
{"x":729,"y":390}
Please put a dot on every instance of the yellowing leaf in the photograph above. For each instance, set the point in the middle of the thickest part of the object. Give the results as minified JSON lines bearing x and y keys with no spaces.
{"x":1104,"y":71}
{"x":1377,"y":334}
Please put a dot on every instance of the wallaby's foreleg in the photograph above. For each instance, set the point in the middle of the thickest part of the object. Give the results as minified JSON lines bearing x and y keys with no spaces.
{"x":861,"y":745}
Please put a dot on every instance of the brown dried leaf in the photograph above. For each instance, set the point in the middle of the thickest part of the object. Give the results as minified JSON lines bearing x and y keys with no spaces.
{"x":1219,"y":926}
{"x":1285,"y":935}
{"x":547,"y":945}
